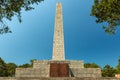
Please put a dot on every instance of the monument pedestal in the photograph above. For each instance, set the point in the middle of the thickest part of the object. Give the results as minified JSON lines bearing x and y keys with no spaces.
{"x":51,"y":68}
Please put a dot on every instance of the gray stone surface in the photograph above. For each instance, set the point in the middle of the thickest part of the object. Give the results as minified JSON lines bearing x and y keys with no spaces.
{"x":58,"y":42}
{"x":86,"y":72}
{"x":40,"y":63}
{"x":76,"y":64}
{"x":41,"y":68}
{"x":32,"y":72}
{"x":72,"y":63}
{"x":63,"y":78}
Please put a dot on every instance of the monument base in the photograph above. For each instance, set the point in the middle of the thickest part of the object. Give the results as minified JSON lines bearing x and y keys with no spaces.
{"x":51,"y":68}
{"x":58,"y":78}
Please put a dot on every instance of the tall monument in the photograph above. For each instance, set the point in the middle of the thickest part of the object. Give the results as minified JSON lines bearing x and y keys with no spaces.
{"x":58,"y":42}
{"x":58,"y":66}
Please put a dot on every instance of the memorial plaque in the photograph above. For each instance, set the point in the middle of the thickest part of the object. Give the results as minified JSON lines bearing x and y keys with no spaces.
{"x":63,"y":70}
{"x":59,"y":70}
{"x":54,"y":70}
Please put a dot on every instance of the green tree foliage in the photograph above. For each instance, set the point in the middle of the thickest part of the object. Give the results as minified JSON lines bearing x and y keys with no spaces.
{"x":118,"y":66}
{"x":107,"y":11}
{"x":108,"y":71}
{"x":7,"y":69}
{"x":10,"y":8}
{"x":25,"y":65}
{"x":91,"y":65}
{"x":2,"y":68}
{"x":10,"y":67}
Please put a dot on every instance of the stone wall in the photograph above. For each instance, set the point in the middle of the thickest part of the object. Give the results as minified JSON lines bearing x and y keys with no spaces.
{"x":63,"y":78}
{"x":117,"y":75}
{"x":8,"y":78}
{"x":40,"y":63}
{"x":32,"y":72}
{"x":76,"y":64}
{"x":41,"y":68}
{"x":72,"y":63}
{"x":86,"y":72}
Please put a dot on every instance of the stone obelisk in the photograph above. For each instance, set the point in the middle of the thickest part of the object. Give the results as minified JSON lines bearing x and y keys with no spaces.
{"x":58,"y":42}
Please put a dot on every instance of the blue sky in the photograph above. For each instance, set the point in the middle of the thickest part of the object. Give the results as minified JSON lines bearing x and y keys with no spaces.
{"x":84,"y":39}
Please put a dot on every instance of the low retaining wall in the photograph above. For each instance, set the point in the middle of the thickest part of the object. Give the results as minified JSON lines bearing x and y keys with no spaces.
{"x":66,"y":78}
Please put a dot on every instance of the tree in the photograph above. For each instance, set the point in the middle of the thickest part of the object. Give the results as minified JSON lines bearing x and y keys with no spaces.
{"x":108,"y":71}
{"x":11,"y":69}
{"x":25,"y":65}
{"x":91,"y":65}
{"x":107,"y":11}
{"x":118,"y":66}
{"x":10,"y":8}
{"x":2,"y":67}
{"x":7,"y":69}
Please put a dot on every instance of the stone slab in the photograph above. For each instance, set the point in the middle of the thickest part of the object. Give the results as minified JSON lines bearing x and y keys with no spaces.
{"x":86,"y":72}
{"x":32,"y":72}
{"x":76,"y":63}
{"x":63,"y":78}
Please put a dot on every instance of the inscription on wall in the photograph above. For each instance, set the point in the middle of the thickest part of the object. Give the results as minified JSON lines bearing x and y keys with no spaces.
{"x":59,"y":70}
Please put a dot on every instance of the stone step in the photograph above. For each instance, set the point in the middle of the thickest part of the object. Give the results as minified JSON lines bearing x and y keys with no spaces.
{"x":56,"y":78}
